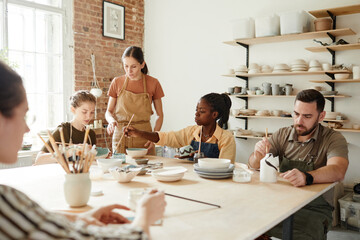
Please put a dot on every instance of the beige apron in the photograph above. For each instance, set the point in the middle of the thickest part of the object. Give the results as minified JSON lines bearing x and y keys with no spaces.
{"x":127,"y":104}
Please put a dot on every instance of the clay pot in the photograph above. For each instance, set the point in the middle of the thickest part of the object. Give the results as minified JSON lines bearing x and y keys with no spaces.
{"x":322,"y":24}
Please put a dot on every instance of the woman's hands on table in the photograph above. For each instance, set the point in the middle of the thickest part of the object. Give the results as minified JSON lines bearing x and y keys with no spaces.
{"x":105,"y":215}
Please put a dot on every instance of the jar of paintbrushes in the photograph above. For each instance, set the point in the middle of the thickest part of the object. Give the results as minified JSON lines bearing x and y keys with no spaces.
{"x":76,"y":160}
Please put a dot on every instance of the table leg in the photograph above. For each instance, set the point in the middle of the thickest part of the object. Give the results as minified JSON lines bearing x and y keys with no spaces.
{"x":288,"y":228}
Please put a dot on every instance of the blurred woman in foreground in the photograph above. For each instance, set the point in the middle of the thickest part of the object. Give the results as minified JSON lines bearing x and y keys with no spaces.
{"x":22,"y":218}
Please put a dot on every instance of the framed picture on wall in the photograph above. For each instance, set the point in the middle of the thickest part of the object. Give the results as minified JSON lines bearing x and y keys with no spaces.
{"x":113,"y":20}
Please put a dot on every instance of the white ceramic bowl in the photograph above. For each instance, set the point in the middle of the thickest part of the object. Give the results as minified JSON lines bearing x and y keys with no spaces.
{"x":339,"y":76}
{"x":136,"y":152}
{"x":253,"y":71}
{"x":356,"y":126}
{"x":141,"y":161}
{"x":250,"y":92}
{"x":211,"y":163}
{"x":281,"y":66}
{"x":124,"y":177}
{"x":254,"y":66}
{"x":169,"y":174}
{"x":331,"y":115}
{"x":105,"y":163}
{"x":240,"y":68}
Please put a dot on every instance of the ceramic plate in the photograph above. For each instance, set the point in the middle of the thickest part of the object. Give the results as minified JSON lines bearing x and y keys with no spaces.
{"x":214,"y":173}
{"x":215,"y":176}
{"x":218,"y":170}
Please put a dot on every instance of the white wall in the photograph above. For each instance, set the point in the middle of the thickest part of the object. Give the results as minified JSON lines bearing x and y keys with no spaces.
{"x":184,"y":50}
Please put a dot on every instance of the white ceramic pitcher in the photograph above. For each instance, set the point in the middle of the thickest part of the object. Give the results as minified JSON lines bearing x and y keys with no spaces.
{"x":269,"y":173}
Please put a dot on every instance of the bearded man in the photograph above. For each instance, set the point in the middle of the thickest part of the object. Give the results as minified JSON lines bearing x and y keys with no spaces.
{"x":309,"y":153}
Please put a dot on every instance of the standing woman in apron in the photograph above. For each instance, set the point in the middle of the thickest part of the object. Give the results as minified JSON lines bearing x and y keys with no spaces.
{"x":133,"y":94}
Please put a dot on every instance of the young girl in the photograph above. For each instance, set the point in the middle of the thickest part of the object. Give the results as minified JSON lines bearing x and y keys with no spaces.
{"x":22,"y":218}
{"x":212,"y":112}
{"x":83,"y":107}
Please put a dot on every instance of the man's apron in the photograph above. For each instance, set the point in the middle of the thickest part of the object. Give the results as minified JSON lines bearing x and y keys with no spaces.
{"x":127,"y":104}
{"x":314,"y":219}
{"x":210,"y":150}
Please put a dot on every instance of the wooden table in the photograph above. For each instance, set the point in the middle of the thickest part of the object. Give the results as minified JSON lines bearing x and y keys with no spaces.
{"x":247,"y":209}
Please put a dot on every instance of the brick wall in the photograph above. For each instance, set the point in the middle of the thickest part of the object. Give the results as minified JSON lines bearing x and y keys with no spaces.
{"x":88,"y":39}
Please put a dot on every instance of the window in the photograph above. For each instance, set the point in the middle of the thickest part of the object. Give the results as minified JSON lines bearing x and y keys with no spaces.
{"x":34,"y":38}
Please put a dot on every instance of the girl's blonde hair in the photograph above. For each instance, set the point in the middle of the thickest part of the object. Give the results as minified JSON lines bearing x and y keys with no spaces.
{"x":81,"y":96}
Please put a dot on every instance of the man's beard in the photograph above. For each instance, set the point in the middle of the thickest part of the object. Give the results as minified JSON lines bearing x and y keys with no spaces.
{"x":308,"y":131}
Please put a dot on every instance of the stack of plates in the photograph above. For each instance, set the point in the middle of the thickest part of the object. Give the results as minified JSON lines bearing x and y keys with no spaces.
{"x":299,"y":65}
{"x":217,"y":173}
{"x":281,"y":67}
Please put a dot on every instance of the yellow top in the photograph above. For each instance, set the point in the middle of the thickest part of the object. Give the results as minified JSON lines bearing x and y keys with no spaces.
{"x":183,"y":137}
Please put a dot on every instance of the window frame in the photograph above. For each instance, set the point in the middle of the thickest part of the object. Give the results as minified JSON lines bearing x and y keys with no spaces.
{"x":66,"y":10}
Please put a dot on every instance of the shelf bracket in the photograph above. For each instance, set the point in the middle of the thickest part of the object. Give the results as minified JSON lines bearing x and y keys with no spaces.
{"x":331,"y":75}
{"x":247,"y":52}
{"x":246,"y":121}
{"x":331,"y":84}
{"x":332,"y":52}
{"x":333,"y":17}
{"x":332,"y":100}
{"x":242,"y":138}
{"x":332,"y":37}
{"x":246,"y":80}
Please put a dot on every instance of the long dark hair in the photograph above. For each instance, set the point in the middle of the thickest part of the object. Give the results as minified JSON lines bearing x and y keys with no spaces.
{"x":12,"y":92}
{"x":138,"y":54}
{"x":220,"y":103}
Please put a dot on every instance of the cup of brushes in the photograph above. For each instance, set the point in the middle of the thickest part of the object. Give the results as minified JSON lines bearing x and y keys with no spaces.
{"x":76,"y":160}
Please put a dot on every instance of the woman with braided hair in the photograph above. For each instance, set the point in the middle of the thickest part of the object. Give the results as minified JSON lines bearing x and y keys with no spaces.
{"x":212,"y":112}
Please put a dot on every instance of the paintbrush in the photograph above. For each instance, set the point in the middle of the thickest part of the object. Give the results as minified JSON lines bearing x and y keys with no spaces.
{"x":119,"y":143}
{"x":193,"y":200}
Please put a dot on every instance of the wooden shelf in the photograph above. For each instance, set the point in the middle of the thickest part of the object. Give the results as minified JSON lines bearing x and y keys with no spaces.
{"x":334,"y":120}
{"x":273,"y":117}
{"x":285,"y":73}
{"x":344,"y":47}
{"x":248,"y":136}
{"x":337,"y":81}
{"x":336,"y":11}
{"x":279,"y":96}
{"x":347,"y":130}
{"x":292,"y":37}
{"x":336,"y":96}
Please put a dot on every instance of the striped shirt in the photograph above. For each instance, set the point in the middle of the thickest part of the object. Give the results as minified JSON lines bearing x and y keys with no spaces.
{"x":22,"y":218}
